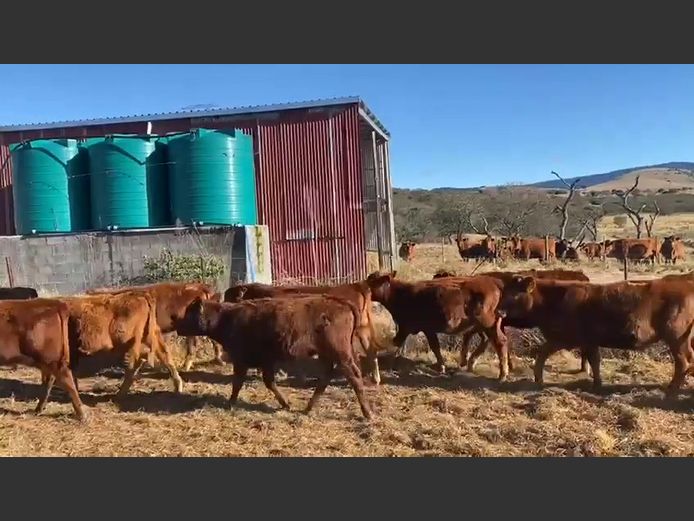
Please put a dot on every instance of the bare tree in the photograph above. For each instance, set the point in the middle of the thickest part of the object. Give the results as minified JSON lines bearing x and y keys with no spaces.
{"x":513,"y":221}
{"x":590,"y":222}
{"x":456,"y":217}
{"x":652,"y":218}
{"x":634,"y":215}
{"x":564,"y":208}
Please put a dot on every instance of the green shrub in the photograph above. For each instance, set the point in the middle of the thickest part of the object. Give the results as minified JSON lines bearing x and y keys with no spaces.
{"x":179,"y":267}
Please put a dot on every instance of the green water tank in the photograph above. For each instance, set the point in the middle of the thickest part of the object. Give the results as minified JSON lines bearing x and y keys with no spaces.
{"x":212,"y":178}
{"x":49,"y":179}
{"x":129,"y":182}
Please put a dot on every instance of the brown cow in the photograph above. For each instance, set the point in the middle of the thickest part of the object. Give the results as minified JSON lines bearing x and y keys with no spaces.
{"x":120,"y":323}
{"x":620,"y":315}
{"x":533,"y":248}
{"x":503,"y":277}
{"x":260,"y":333}
{"x":592,"y":250}
{"x":357,"y":293}
{"x":442,"y":306}
{"x":172,"y":298}
{"x":672,"y":249}
{"x":476,"y":246}
{"x":35,"y":333}
{"x":636,"y":249}
{"x":406,"y":251}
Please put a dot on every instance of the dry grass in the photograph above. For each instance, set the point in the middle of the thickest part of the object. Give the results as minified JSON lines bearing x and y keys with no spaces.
{"x":681,"y":224}
{"x":418,"y":413}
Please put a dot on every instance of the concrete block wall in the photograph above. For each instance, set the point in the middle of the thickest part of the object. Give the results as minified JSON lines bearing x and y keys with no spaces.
{"x":66,"y":264}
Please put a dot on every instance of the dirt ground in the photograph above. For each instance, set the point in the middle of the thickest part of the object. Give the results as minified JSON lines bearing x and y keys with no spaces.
{"x":418,"y":413}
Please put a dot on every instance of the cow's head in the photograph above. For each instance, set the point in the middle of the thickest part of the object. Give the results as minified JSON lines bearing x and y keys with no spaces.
{"x":442,"y":274}
{"x":516,"y":297}
{"x":407,"y":250}
{"x":193,"y":322}
{"x":489,"y":245}
{"x":235,"y":293}
{"x":379,"y":284}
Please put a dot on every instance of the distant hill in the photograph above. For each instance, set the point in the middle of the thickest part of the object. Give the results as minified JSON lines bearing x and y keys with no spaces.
{"x":676,"y":175}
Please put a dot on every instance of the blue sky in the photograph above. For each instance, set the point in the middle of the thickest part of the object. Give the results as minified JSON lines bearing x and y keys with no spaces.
{"x":452,"y":125}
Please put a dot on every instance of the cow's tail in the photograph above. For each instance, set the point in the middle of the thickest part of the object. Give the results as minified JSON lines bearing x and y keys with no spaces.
{"x":152,"y":333}
{"x":64,"y":315}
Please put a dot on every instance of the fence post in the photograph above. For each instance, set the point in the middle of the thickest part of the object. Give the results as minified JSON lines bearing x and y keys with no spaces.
{"x":603,"y":253}
{"x":10,"y":273}
{"x":443,"y":256}
{"x":626,"y":267}
{"x":546,"y":249}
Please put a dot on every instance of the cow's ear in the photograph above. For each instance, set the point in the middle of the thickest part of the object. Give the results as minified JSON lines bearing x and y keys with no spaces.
{"x":677,"y":238}
{"x":529,"y":284}
{"x":242,"y":292}
{"x":197,"y":305}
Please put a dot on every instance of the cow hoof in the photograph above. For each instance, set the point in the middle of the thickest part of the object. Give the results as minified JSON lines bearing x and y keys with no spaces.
{"x":82,"y":418}
{"x":440,"y":368}
{"x":219,"y":361}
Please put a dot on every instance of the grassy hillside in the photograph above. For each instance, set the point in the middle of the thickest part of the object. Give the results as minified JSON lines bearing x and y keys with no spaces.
{"x":662,"y":176}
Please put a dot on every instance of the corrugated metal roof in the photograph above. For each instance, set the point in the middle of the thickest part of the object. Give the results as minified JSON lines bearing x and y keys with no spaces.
{"x":231,"y":111}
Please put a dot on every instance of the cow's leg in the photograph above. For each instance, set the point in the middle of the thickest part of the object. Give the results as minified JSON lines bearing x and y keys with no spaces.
{"x":465,"y":347}
{"x":65,"y":379}
{"x":546,"y":350}
{"x":501,"y":346}
{"x":435,"y":347}
{"x":328,"y":371}
{"x":351,"y":371}
{"x":681,"y":358}
{"x":133,"y":362}
{"x":47,"y":380}
{"x":479,"y":350}
{"x":592,"y":354}
{"x":269,"y":381}
{"x":237,"y":380}
{"x":371,"y":356}
{"x":399,"y":341}
{"x":218,"y":353}
{"x":163,"y":353}
{"x":191,"y":344}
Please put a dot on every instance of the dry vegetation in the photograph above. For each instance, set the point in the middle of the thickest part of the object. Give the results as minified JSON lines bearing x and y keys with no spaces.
{"x":418,"y":412}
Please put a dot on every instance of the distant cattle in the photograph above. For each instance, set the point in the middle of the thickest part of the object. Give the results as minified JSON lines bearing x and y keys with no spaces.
{"x":634,"y":249}
{"x":124,"y":323}
{"x":35,"y":333}
{"x":566,"y":251}
{"x":358,"y":293}
{"x":622,"y":315}
{"x":406,"y":250}
{"x":171,"y":299}
{"x":455,"y":306}
{"x":533,"y":248}
{"x":476,"y":246}
{"x":18,"y":293}
{"x":593,"y":250}
{"x":260,"y":333}
{"x":672,"y":249}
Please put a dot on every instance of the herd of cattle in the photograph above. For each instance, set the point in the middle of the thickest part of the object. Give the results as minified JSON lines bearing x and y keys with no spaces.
{"x":263,"y":326}
{"x":486,"y":247}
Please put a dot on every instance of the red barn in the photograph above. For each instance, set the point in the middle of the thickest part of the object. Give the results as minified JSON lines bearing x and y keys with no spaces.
{"x":317,"y":189}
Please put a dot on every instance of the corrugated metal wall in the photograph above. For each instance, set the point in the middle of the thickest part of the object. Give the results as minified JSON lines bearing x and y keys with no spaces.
{"x":310,"y":185}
